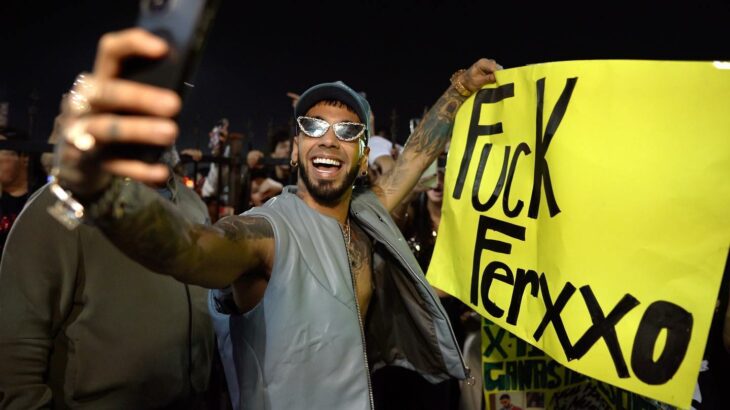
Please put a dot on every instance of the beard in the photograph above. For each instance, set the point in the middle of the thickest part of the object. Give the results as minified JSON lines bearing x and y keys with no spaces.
{"x":327,"y":192}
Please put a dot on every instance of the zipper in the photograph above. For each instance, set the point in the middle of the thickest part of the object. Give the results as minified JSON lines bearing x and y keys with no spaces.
{"x":470,"y":380}
{"x":359,"y":321}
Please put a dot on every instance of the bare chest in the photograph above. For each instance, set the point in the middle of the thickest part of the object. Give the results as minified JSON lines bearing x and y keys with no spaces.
{"x":359,"y":250}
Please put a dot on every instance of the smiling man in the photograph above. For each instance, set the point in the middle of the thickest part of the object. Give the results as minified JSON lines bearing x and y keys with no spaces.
{"x":323,"y":285}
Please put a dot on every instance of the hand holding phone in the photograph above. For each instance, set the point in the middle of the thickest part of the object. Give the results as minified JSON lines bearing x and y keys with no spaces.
{"x":94,"y":140}
{"x":184,"y":25}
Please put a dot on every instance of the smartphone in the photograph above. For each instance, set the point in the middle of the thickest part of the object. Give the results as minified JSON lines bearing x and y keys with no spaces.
{"x":185,"y":25}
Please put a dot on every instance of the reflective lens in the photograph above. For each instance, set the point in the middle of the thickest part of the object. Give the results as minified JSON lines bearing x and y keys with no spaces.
{"x":344,"y":131}
{"x":348,"y":131}
{"x":314,"y":127}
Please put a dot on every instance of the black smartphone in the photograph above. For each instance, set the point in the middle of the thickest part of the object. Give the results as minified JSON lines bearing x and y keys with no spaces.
{"x":185,"y":25}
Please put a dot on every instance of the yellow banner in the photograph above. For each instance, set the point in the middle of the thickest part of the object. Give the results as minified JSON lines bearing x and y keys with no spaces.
{"x":519,"y":374}
{"x":587,"y":211}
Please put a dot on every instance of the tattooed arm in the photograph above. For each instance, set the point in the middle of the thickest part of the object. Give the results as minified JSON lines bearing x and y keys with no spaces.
{"x":430,"y":137}
{"x":152,"y":231}
{"x":148,"y":229}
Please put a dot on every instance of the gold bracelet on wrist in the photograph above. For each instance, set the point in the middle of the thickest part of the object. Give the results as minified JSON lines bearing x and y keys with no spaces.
{"x":458,"y":86}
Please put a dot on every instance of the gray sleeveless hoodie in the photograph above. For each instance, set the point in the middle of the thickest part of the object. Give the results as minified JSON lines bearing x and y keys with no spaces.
{"x":304,"y":346}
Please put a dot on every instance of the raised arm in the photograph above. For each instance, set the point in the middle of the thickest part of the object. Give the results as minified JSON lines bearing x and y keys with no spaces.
{"x":146,"y":227}
{"x":152,"y":231}
{"x":430,"y":137}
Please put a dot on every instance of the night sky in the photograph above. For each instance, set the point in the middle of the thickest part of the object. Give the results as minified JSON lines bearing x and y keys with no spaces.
{"x":401,"y":53}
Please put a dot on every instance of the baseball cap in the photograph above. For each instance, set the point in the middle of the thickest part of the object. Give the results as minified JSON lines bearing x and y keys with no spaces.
{"x":15,"y":140}
{"x":335,"y":91}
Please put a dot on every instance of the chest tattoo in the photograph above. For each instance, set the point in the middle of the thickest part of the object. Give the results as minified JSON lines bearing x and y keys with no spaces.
{"x":359,"y":251}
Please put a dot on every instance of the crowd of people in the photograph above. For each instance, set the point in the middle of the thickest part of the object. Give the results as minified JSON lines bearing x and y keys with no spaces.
{"x":314,"y":254}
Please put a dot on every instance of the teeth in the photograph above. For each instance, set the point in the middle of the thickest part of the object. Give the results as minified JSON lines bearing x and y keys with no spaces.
{"x":327,"y":161}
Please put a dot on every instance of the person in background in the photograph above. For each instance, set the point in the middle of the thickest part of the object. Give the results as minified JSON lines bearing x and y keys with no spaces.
{"x":268,"y":180}
{"x":15,"y":181}
{"x":280,"y":149}
{"x":383,"y":154}
{"x":220,"y":180}
{"x":418,"y":218}
{"x":506,"y":402}
{"x":75,"y":334}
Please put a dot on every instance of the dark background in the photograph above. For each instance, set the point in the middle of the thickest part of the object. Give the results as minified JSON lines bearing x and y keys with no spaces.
{"x":400,"y":52}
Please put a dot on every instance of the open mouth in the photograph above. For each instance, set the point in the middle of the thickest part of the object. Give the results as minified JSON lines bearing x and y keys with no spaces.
{"x":326,"y":166}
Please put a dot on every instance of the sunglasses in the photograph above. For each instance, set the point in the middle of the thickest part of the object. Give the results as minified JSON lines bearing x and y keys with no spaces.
{"x":344,"y":131}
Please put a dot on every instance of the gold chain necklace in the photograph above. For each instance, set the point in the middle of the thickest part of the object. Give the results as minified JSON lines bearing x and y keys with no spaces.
{"x":348,"y":234}
{"x":348,"y":239}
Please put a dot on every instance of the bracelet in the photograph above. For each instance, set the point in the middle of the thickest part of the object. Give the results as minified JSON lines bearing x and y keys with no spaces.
{"x":458,"y":86}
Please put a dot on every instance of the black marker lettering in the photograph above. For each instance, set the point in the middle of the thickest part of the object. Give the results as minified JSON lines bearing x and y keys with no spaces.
{"x":542,"y":143}
{"x":678,"y":322}
{"x":485,"y":96}
{"x":483,"y":244}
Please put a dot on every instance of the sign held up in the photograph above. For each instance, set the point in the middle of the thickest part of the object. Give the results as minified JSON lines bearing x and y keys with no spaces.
{"x":592,"y":220}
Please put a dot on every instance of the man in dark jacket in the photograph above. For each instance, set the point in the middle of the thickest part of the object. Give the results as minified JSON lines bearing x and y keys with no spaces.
{"x":84,"y":326}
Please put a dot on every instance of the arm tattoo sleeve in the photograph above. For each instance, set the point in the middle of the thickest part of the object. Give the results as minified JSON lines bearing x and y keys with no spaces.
{"x":151,"y":231}
{"x":236,"y":228}
{"x":422,"y":148}
{"x":435,"y":129}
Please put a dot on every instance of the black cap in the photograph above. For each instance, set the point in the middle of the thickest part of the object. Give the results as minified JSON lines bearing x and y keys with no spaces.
{"x":337,"y":91}
{"x":15,"y":140}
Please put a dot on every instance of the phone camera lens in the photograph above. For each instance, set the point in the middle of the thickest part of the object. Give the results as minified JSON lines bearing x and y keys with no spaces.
{"x":158,"y":5}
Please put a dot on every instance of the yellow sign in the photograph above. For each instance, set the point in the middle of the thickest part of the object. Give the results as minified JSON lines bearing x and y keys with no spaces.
{"x":520,"y":374}
{"x":586,"y":210}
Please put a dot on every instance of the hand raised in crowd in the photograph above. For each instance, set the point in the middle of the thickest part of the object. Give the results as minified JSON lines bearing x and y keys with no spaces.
{"x":193,"y":153}
{"x":479,"y":74}
{"x":263,"y":189}
{"x":254,"y":159}
{"x":89,"y":120}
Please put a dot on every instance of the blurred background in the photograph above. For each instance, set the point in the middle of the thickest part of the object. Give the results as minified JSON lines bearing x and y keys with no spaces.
{"x":400,"y":53}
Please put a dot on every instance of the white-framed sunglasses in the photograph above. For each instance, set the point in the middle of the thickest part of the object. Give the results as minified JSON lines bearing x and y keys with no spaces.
{"x":344,"y":131}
